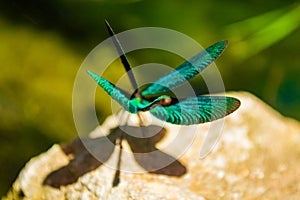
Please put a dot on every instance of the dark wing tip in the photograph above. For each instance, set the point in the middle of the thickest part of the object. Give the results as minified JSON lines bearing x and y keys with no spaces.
{"x":106,"y":23}
{"x":109,"y":29}
{"x":217,"y":49}
{"x":221,"y":44}
{"x":232,"y":104}
{"x":225,"y":42}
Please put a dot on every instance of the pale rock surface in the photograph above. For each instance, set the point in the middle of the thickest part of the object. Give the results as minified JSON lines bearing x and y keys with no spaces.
{"x":256,"y":157}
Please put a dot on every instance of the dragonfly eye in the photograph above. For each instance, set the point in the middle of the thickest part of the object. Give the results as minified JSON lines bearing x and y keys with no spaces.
{"x":165,"y":101}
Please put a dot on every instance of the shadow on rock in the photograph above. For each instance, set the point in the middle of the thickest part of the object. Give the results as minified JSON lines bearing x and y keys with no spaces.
{"x":90,"y":153}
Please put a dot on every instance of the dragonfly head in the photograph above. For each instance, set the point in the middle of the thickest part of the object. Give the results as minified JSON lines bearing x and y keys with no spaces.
{"x":163,"y":100}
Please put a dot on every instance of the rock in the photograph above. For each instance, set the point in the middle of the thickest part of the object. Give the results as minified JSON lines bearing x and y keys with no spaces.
{"x":257,"y":156}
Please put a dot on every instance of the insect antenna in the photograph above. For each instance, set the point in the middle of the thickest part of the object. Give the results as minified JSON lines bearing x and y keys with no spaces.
{"x":122,"y":57}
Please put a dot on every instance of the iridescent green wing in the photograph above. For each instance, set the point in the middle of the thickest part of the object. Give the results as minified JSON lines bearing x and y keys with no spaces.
{"x":116,"y":93}
{"x":186,"y":70}
{"x":196,"y":110}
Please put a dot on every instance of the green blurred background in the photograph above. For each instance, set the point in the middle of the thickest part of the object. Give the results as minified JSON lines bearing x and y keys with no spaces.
{"x":43,"y":43}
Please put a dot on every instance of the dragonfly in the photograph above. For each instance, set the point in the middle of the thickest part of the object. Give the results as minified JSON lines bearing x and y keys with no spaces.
{"x":153,"y":98}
